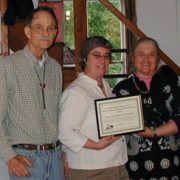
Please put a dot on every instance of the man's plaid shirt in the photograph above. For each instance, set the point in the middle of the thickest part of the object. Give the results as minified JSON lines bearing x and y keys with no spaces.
{"x":22,"y":116}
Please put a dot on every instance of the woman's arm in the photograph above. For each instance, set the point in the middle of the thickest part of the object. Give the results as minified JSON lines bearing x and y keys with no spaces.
{"x":102,"y":143}
{"x":164,"y":130}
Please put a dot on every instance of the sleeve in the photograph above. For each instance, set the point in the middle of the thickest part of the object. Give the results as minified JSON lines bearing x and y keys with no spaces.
{"x":73,"y":107}
{"x":60,"y":77}
{"x":6,"y":151}
{"x":116,"y":89}
{"x":59,"y":71}
{"x":176,"y":103}
{"x":124,"y":88}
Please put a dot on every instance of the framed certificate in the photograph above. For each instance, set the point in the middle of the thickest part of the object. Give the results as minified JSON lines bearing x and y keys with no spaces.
{"x":117,"y":116}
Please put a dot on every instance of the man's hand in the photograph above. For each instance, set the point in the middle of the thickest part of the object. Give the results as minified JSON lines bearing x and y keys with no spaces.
{"x":17,"y":166}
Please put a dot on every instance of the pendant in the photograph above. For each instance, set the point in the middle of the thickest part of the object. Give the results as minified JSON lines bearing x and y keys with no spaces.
{"x":43,"y":85}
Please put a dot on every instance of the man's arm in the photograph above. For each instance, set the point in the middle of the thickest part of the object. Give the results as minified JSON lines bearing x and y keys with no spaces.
{"x":16,"y":164}
{"x":6,"y":151}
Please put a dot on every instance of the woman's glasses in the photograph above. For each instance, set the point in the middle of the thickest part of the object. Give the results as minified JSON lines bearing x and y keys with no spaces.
{"x":143,"y":55}
{"x":99,"y":56}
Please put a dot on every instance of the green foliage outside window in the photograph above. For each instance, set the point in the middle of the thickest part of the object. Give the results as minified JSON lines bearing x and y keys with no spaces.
{"x":100,"y":22}
{"x":69,"y":24}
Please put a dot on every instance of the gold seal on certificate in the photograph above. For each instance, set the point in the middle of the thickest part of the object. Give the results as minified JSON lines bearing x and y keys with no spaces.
{"x":119,"y":115}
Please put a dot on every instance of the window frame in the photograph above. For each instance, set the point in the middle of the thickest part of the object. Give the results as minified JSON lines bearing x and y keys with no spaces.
{"x":81,"y":32}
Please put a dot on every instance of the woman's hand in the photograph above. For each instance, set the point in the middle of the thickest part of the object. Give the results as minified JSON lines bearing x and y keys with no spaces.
{"x":66,"y":167}
{"x":164,"y":130}
{"x":106,"y":141}
{"x":102,"y":143}
{"x":146,"y":133}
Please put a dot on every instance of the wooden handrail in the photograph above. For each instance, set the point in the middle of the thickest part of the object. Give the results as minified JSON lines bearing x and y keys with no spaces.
{"x":132,"y":27}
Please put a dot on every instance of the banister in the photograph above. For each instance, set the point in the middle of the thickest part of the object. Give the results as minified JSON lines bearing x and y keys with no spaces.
{"x":164,"y":57}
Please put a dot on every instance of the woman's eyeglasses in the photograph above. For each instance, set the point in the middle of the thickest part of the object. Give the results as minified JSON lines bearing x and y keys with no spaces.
{"x":99,"y":56}
{"x":143,"y":55}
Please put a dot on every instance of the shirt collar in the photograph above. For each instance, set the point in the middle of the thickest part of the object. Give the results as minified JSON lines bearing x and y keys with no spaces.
{"x":41,"y":63}
{"x":30,"y":56}
{"x":88,"y":79}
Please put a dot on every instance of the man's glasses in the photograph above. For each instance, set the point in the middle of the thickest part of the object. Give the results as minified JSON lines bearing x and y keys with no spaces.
{"x":98,"y":56}
{"x":40,"y":29}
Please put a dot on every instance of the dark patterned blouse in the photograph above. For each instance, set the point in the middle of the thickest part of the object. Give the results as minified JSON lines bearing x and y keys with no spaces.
{"x":154,"y":158}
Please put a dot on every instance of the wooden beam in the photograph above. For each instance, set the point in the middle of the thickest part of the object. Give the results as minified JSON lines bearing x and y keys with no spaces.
{"x":4,"y":30}
{"x":132,"y":27}
{"x":80,"y":29}
{"x":122,"y":18}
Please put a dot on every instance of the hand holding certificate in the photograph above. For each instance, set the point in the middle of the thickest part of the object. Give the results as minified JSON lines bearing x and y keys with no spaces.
{"x":119,"y":115}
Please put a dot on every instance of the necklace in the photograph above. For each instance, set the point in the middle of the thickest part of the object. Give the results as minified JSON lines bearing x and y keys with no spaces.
{"x":101,"y":86}
{"x":42,"y":84}
{"x":137,"y":87}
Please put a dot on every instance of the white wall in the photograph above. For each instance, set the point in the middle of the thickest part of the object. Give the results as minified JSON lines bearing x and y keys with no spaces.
{"x":160,"y":19}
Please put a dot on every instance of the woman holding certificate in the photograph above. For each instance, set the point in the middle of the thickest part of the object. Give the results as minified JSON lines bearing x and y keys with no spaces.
{"x":153,"y":153}
{"x":88,"y":157}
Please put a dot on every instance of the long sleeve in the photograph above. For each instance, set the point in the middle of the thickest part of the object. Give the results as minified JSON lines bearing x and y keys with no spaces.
{"x":176,"y":103}
{"x":6,"y":151}
{"x":72,"y":114}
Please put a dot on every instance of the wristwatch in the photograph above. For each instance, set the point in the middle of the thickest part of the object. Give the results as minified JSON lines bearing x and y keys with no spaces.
{"x":154,"y":133}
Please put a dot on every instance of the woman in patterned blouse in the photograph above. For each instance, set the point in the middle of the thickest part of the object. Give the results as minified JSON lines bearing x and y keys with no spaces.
{"x":153,"y":153}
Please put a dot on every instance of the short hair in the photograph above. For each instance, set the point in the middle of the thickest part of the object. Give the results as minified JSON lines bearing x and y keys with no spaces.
{"x":31,"y":15}
{"x":147,"y":39}
{"x":91,"y":43}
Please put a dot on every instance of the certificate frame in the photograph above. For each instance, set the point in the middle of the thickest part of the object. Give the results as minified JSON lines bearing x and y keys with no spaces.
{"x":119,"y":115}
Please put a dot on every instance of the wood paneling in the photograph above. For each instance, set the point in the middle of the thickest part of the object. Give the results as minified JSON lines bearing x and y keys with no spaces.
{"x":3,"y":29}
{"x":68,"y":75}
{"x":80,"y":29}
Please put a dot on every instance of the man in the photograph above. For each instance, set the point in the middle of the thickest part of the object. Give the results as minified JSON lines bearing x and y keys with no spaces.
{"x":30,"y":88}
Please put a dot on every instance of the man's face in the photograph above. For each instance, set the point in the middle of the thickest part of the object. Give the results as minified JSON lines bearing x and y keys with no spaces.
{"x":42,"y":31}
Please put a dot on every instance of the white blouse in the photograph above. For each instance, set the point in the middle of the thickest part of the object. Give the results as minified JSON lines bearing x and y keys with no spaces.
{"x":77,"y":123}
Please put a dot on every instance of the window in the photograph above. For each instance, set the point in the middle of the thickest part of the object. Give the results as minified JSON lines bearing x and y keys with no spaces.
{"x":69,"y":24}
{"x":101,"y":21}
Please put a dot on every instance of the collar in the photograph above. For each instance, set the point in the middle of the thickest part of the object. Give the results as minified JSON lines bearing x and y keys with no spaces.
{"x":82,"y":75}
{"x":41,"y":62}
{"x":32,"y":59}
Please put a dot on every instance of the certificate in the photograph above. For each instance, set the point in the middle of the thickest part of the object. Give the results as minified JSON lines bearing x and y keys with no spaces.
{"x":117,"y":116}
